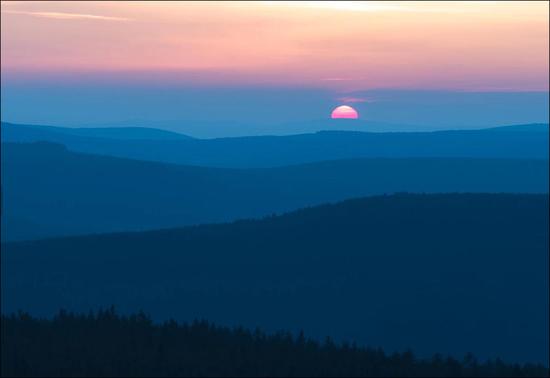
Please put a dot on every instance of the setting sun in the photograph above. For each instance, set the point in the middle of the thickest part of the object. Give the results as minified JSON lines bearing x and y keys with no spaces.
{"x":344,"y":111}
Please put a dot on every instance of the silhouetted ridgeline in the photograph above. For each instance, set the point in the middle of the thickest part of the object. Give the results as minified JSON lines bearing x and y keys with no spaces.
{"x":447,"y":273}
{"x":511,"y":142}
{"x":51,"y":191}
{"x":107,"y":344}
{"x":46,"y":133}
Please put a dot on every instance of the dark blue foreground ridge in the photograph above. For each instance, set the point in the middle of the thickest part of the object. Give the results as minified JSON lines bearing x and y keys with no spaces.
{"x":447,"y":273}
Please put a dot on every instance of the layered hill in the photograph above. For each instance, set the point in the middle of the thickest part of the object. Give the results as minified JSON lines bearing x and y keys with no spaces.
{"x":447,"y":273}
{"x":48,"y":190}
{"x":522,"y":141}
{"x":29,"y":133}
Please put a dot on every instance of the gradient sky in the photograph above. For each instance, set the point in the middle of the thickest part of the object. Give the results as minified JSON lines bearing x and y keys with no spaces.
{"x":334,"y":48}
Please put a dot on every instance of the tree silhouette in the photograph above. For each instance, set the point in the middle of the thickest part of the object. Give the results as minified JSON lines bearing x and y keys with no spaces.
{"x":108,"y":344}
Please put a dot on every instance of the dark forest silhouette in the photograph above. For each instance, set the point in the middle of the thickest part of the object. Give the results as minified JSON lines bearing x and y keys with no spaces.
{"x":108,"y":344}
{"x":447,"y":273}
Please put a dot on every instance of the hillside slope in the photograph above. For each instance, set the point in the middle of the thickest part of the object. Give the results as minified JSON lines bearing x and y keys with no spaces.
{"x":48,"y":190}
{"x":447,"y":273}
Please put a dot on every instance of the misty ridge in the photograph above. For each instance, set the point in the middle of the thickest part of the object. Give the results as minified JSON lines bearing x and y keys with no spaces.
{"x":430,"y":241}
{"x":263,"y":188}
{"x":520,"y":141}
{"x":52,"y":190}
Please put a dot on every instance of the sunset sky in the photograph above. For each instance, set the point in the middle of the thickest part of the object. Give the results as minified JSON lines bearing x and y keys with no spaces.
{"x":333,"y":47}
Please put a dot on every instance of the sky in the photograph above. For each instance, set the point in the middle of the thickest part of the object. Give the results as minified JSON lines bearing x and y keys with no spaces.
{"x":76,"y":63}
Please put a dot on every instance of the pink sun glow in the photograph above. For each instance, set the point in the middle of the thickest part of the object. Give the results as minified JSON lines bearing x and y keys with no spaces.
{"x":344,"y":111}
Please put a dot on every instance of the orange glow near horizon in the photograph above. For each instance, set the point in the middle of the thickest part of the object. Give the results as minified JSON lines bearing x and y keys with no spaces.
{"x":338,"y":45}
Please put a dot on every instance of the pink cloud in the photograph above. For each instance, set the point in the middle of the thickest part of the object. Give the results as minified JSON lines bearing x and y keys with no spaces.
{"x":67,"y":16}
{"x":351,"y":100}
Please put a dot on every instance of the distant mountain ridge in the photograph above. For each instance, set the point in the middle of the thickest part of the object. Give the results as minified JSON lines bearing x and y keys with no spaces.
{"x":49,"y":190}
{"x":122,"y":133}
{"x":538,"y":127}
{"x":528,"y":127}
{"x":451,"y":273}
{"x":521,"y":142}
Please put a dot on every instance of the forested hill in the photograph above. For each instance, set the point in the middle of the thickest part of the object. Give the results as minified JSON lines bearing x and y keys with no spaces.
{"x":107,"y":344}
{"x":447,"y":273}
